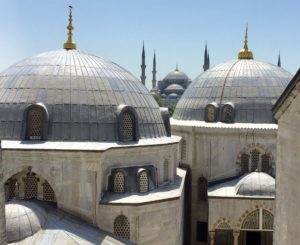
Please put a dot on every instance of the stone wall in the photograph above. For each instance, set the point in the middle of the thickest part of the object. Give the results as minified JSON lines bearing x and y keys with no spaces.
{"x":2,"y":204}
{"x":287,"y":218}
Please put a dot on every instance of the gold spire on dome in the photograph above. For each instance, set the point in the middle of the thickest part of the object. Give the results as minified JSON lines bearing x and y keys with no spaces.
{"x":69,"y":44}
{"x":245,"y":53}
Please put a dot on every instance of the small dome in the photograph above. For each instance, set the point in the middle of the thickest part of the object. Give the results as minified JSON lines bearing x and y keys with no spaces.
{"x":256,"y":184}
{"x":173,"y":95}
{"x":23,"y":219}
{"x":252,"y":86}
{"x":174,"y":88}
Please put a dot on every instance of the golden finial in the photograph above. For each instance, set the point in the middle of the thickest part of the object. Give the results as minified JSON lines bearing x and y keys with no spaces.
{"x":245,"y":53}
{"x":69,"y":44}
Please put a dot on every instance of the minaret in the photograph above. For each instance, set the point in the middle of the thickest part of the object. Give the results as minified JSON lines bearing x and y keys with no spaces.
{"x":279,"y":61}
{"x":69,"y":44}
{"x":154,"y":73}
{"x":2,"y":204}
{"x":143,"y":66}
{"x":206,"y":59}
{"x":245,"y":53}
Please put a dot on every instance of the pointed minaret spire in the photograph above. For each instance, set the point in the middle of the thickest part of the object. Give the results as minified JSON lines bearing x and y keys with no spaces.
{"x":245,"y":53}
{"x":143,"y":66}
{"x":69,"y":44}
{"x":206,"y":59}
{"x":154,"y":72}
{"x":176,"y":69}
{"x":279,"y":60}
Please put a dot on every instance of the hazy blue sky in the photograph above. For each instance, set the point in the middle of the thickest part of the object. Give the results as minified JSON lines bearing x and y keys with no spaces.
{"x":177,"y":30}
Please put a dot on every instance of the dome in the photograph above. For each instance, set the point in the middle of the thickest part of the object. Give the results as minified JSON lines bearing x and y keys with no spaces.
{"x":23,"y":219}
{"x":251,"y":86}
{"x":82,"y":94}
{"x":256,"y":184}
{"x":176,"y":75}
{"x":173,"y":95}
{"x":174,"y":88}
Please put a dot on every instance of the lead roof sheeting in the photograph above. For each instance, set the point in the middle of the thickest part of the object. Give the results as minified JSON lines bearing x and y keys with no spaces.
{"x":81,"y":93}
{"x":252,"y":86}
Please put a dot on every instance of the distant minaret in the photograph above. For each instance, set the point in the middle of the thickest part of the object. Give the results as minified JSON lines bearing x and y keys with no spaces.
{"x":143,"y":66}
{"x":206,"y":59}
{"x":279,"y":61}
{"x":154,"y":73}
{"x":2,"y":203}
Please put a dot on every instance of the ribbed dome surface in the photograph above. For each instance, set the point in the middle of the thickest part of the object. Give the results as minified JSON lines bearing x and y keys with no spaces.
{"x":256,"y":184}
{"x":176,"y":75}
{"x":23,"y":219}
{"x":251,"y":86}
{"x":81,"y":93}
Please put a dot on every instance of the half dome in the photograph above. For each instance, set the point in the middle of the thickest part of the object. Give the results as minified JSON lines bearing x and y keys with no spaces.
{"x":81,"y":92}
{"x":251,"y":86}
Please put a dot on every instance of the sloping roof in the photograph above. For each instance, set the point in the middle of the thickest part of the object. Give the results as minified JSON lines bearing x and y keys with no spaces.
{"x":286,"y":93}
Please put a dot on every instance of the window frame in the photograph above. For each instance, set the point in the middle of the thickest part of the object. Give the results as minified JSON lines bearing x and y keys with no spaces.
{"x":223,"y":117}
{"x":122,"y":109}
{"x":215,"y":108}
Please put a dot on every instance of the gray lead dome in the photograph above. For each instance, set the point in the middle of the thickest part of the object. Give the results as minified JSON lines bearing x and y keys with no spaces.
{"x":81,"y":92}
{"x":252,"y":87}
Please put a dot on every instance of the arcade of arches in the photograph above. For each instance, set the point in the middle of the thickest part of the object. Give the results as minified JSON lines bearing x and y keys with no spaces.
{"x":28,"y":185}
{"x":256,"y":228}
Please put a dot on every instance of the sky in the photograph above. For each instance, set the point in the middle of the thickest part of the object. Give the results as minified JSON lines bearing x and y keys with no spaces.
{"x":177,"y":30}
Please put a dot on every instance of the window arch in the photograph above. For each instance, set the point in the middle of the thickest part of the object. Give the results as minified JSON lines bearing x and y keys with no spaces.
{"x":183,"y":149}
{"x":166,"y":170}
{"x":35,"y":122}
{"x":48,"y":193}
{"x":119,"y":182}
{"x":265,"y":163}
{"x":254,"y":159}
{"x":244,"y":163}
{"x":122,"y":227}
{"x":143,"y":181}
{"x":251,"y":222}
{"x":227,"y":113}
{"x":127,"y":123}
{"x":202,"y":189}
{"x":259,"y":219}
{"x":210,"y":113}
{"x":31,"y":186}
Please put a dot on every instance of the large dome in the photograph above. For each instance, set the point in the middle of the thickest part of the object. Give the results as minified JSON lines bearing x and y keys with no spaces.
{"x":251,"y":86}
{"x":82,"y":94}
{"x":176,"y":75}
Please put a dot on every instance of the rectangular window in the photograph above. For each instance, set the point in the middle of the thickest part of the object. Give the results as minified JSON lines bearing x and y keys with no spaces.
{"x":202,"y":230}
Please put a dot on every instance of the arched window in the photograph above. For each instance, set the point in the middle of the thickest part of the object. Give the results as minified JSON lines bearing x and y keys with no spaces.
{"x":265,"y":163}
{"x":48,"y":193}
{"x":119,"y":182}
{"x":254,"y":160}
{"x":202,"y":189}
{"x":267,"y":220}
{"x":166,"y":170}
{"x":259,"y":219}
{"x":128,"y":126}
{"x":210,"y":113}
{"x":143,"y":181}
{"x":252,"y":221}
{"x":183,"y":149}
{"x":34,"y":123}
{"x":244,"y":163}
{"x":12,"y":189}
{"x":122,"y":227}
{"x":227,"y":113}
{"x":31,"y":186}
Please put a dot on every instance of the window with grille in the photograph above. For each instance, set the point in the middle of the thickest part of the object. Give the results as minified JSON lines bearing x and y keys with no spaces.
{"x":210,"y":113}
{"x":48,"y":193}
{"x":252,"y":221}
{"x":244,"y":163}
{"x":166,"y":170}
{"x":119,"y":182}
{"x":183,"y":149}
{"x":254,"y":160}
{"x":12,"y":189}
{"x":202,"y":189}
{"x":224,"y":226}
{"x":265,"y":163}
{"x":31,"y":186}
{"x":227,"y":113}
{"x":35,"y":119}
{"x":143,"y":181}
{"x":267,"y":220}
{"x":122,"y":227}
{"x":127,"y":129}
